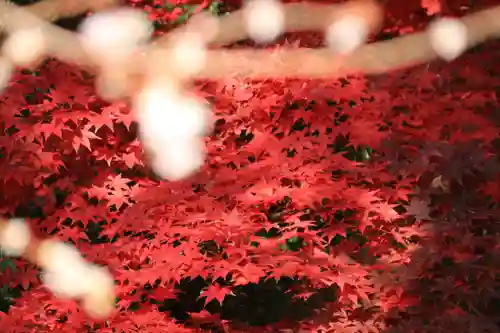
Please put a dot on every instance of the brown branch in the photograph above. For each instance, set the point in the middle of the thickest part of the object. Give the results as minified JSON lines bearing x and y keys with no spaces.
{"x":31,"y":253}
{"x":61,"y":43}
{"x":301,"y":16}
{"x":99,"y":301}
{"x":302,"y":63}
{"x":372,"y":58}
{"x":52,"y":10}
{"x":66,"y":46}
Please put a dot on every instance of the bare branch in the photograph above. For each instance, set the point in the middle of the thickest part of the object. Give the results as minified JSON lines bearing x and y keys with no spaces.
{"x":306,"y":63}
{"x":52,"y":10}
{"x":61,"y":43}
{"x":372,"y":58}
{"x":17,"y":239}
{"x":298,"y":17}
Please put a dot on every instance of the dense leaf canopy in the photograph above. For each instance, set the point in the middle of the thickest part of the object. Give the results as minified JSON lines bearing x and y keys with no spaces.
{"x":367,"y":203}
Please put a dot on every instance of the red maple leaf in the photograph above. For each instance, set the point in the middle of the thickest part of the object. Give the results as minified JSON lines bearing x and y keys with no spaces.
{"x":288,"y":269}
{"x":216,"y":292}
{"x":431,"y":6}
{"x":105,"y":118}
{"x":83,"y":140}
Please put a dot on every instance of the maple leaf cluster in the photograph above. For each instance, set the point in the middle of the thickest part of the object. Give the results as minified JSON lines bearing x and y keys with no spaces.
{"x":353,"y":204}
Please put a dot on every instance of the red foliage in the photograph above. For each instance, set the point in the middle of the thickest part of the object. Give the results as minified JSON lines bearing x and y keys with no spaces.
{"x":354,"y":205}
